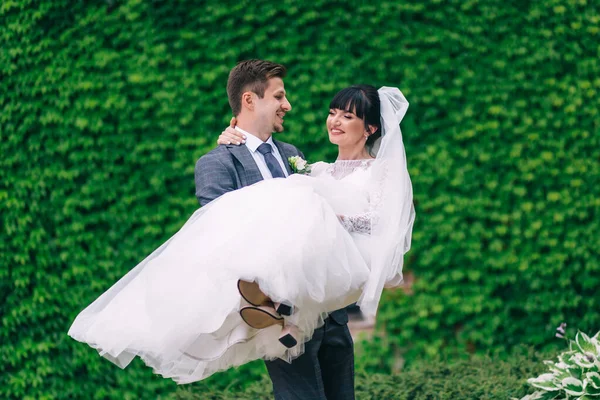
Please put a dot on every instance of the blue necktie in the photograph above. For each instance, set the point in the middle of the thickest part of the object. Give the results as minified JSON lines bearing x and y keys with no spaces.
{"x":267,"y":151}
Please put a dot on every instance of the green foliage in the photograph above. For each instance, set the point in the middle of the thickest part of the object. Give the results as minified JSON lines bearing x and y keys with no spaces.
{"x":107,"y":105}
{"x":480,"y":377}
{"x":576,"y":374}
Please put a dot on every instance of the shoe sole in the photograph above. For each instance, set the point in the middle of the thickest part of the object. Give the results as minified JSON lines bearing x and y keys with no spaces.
{"x":259,"y":319}
{"x":251,"y":292}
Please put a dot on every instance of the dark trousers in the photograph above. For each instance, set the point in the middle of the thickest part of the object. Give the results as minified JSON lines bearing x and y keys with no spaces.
{"x":324,"y":372}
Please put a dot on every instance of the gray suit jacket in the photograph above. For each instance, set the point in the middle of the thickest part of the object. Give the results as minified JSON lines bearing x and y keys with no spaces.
{"x":231,"y":167}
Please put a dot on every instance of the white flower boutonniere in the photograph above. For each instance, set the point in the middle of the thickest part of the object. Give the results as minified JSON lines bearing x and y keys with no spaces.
{"x":299,"y":165}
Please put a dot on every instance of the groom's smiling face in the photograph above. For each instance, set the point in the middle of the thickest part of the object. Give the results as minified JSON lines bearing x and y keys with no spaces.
{"x":271,"y":109}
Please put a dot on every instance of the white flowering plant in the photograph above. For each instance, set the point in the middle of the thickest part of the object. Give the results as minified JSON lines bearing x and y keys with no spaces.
{"x":576,"y":374}
{"x":299,"y":165}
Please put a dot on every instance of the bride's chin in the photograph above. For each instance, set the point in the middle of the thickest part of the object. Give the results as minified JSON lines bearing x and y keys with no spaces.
{"x":334,"y":141}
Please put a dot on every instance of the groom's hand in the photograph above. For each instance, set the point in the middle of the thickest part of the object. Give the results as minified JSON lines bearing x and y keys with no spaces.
{"x":394,"y":282}
{"x":230,"y":135}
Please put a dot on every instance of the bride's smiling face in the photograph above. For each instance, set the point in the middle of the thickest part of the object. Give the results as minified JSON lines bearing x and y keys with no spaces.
{"x":353,"y":122}
{"x":345,"y":128}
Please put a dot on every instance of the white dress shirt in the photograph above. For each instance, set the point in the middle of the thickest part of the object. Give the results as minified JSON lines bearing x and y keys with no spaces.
{"x":252,"y":143}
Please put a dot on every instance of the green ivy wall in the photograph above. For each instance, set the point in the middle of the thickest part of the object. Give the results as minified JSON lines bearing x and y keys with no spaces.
{"x":106,"y":105}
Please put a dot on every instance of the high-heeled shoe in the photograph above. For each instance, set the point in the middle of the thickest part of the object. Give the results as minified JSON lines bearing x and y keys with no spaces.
{"x":251,"y":292}
{"x":265,"y":316}
{"x":288,"y":336}
{"x":284,"y":308}
{"x":260,"y":317}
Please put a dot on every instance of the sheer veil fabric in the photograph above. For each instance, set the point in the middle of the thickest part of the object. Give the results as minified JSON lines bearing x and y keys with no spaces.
{"x":392,"y":232}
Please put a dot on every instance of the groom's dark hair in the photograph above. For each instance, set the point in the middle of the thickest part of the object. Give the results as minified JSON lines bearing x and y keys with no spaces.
{"x":251,"y":75}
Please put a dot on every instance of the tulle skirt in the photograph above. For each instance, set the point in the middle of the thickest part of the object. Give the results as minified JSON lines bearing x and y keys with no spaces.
{"x":178,"y":309}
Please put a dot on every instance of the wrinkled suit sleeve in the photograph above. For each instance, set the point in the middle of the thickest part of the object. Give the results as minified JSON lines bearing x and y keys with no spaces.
{"x":212,"y":179}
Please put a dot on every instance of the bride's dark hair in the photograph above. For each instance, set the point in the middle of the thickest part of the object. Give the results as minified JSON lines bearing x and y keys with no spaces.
{"x":362,"y":100}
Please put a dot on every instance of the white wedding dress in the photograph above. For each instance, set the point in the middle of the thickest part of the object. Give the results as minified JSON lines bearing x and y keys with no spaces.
{"x":178,"y":309}
{"x":320,"y":242}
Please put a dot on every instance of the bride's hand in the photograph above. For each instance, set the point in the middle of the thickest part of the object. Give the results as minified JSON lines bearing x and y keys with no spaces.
{"x":230,"y":135}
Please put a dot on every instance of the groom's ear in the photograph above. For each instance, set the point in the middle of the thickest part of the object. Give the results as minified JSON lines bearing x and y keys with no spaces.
{"x":248,"y":100}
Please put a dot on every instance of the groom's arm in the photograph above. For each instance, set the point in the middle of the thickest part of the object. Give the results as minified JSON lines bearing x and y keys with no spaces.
{"x":213,"y":179}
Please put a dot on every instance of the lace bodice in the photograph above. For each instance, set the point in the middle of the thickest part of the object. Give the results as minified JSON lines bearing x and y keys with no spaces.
{"x":342,"y":168}
{"x":357,"y":172}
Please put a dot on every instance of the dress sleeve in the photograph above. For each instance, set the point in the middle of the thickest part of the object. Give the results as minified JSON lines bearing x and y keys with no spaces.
{"x":359,"y":223}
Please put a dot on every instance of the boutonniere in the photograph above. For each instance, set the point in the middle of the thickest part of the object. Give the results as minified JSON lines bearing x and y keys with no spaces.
{"x":299,"y":165}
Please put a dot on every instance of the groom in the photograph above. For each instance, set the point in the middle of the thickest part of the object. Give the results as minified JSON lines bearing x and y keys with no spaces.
{"x":258,"y":100}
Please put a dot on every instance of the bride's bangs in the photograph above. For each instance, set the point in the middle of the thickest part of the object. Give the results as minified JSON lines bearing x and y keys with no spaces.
{"x":351,"y":99}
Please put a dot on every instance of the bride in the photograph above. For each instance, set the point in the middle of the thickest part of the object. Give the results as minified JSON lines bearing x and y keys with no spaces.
{"x":325,"y":240}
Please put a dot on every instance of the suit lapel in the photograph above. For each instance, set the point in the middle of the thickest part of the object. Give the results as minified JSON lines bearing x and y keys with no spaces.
{"x":251,"y":172}
{"x":284,"y":155}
